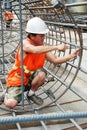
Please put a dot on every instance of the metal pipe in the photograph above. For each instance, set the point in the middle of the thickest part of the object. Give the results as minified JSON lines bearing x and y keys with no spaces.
{"x":47,"y":116}
{"x":76,"y":4}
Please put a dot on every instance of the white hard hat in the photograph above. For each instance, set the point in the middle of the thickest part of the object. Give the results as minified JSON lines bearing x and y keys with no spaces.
{"x":36,"y":26}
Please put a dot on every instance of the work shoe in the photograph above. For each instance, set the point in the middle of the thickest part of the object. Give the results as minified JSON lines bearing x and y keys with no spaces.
{"x":37,"y":100}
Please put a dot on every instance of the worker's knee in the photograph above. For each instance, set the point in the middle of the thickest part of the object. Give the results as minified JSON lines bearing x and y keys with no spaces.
{"x":42,"y":76}
{"x":10,"y":103}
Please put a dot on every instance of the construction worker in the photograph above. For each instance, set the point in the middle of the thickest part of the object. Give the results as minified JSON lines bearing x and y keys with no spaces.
{"x":35,"y":52}
{"x":8,"y":16}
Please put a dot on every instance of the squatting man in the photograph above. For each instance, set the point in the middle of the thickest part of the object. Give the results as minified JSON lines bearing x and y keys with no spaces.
{"x":35,"y":52}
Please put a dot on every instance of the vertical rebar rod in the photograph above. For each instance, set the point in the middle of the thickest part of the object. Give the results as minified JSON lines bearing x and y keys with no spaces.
{"x":21,"y":47}
{"x":2,"y":32}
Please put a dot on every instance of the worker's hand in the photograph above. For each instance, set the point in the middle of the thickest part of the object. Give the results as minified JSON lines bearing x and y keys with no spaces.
{"x":62,"y":47}
{"x":77,"y":52}
{"x":74,"y":54}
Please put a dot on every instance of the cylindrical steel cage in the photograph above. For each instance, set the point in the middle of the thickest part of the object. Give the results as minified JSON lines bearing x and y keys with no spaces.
{"x":63,"y":28}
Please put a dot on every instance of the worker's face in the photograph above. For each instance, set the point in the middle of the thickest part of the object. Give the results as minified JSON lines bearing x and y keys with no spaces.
{"x":38,"y":39}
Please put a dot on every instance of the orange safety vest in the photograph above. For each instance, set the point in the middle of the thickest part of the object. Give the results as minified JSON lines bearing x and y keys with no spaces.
{"x":31,"y":62}
{"x":8,"y":15}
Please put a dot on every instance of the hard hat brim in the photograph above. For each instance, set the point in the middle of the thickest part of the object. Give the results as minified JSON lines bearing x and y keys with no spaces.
{"x":44,"y":32}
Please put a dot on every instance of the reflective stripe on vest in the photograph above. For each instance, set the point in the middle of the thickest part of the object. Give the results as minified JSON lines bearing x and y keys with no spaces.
{"x":25,"y":69}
